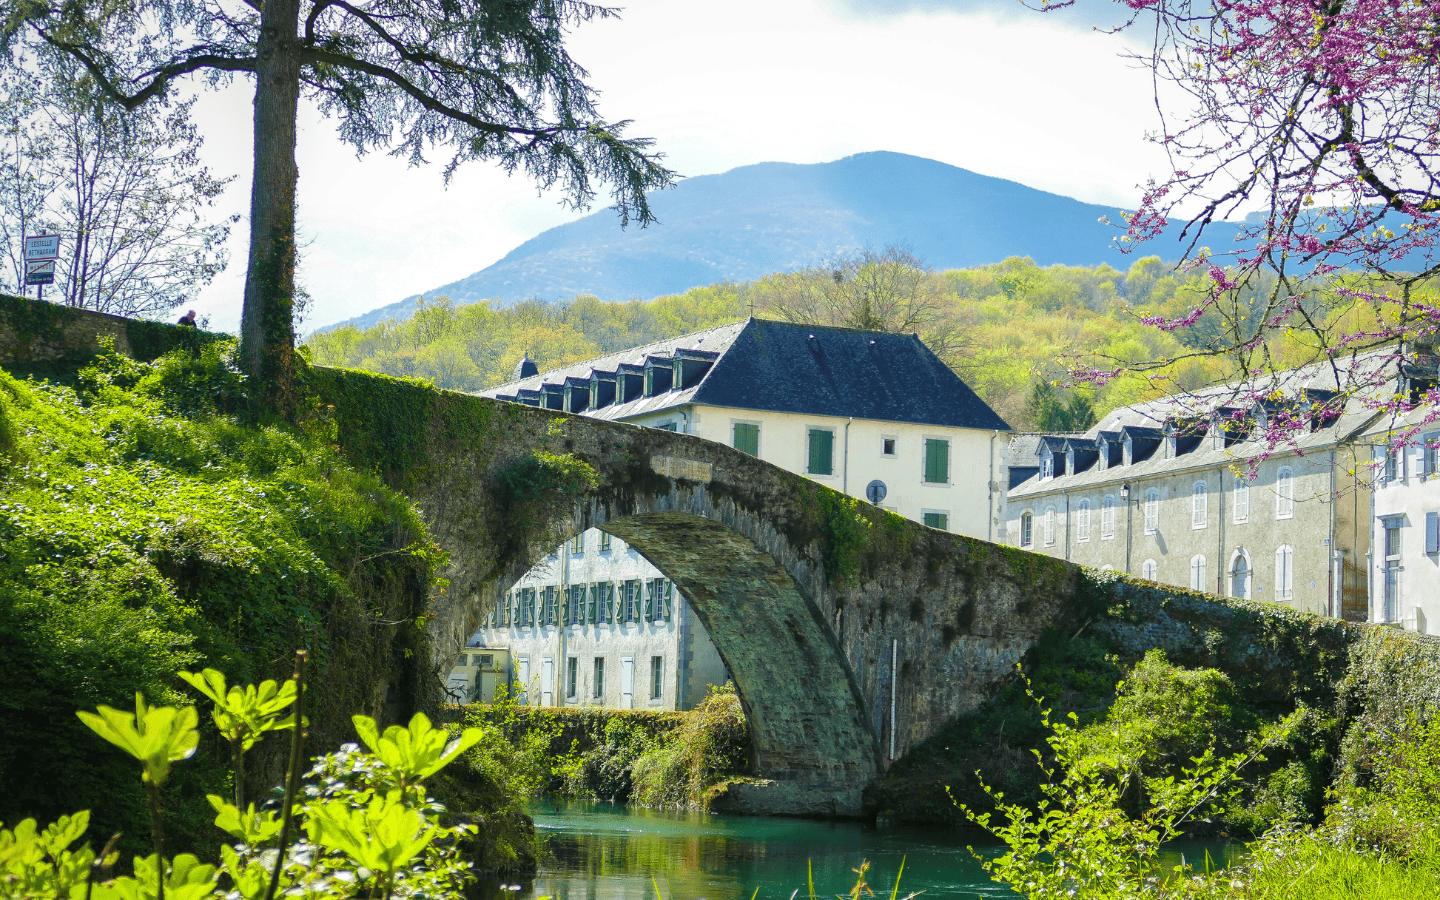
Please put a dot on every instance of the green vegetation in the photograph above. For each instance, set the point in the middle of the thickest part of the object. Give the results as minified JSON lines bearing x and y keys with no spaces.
{"x":149,"y":524}
{"x":657,"y":759}
{"x":1097,"y":831}
{"x":1006,"y":328}
{"x":370,"y":826}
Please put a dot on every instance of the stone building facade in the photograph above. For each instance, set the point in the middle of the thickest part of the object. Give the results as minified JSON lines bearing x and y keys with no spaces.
{"x":1196,"y":500}
{"x":872,"y":414}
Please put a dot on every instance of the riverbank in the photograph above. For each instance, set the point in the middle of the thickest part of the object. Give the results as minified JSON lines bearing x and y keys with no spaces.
{"x":660,"y":760}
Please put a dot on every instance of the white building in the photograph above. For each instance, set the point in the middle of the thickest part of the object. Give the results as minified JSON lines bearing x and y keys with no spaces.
{"x":1187,"y":492}
{"x":872,"y":414}
{"x":1404,"y":568}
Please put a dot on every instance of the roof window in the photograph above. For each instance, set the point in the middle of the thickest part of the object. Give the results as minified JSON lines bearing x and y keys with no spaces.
{"x":659,"y":371}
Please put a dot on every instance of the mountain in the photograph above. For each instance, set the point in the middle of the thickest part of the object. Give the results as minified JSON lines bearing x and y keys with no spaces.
{"x":773,"y":217}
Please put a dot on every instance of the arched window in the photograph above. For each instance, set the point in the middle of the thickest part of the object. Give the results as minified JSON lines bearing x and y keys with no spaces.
{"x":1027,"y":528}
{"x":1152,"y":511}
{"x":1150,"y":571}
{"x":1240,"y":575}
{"x":1197,"y":573}
{"x":1200,"y":506}
{"x":1284,"y":572}
{"x":1050,"y":527}
{"x":1242,"y":501}
{"x":1082,"y":521}
{"x":1107,"y":517}
{"x":1285,"y":493}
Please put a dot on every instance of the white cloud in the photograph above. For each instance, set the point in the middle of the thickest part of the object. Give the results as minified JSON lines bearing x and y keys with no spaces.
{"x":1034,"y":98}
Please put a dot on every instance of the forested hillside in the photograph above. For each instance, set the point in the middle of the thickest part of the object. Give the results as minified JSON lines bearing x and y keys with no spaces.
{"x":1005,"y":328}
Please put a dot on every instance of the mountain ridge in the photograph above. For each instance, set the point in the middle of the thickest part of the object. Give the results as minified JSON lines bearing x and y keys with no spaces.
{"x":774,"y":216}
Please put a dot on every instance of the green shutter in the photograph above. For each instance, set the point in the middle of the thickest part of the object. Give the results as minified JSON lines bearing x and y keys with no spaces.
{"x":937,"y":461}
{"x":747,"y":438}
{"x":938,"y":520}
{"x":649,"y":604}
{"x":669,"y":599}
{"x":565,"y":608}
{"x":822,"y":452}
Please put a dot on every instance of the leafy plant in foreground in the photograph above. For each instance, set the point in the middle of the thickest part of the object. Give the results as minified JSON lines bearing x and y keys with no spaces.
{"x":367,"y":820}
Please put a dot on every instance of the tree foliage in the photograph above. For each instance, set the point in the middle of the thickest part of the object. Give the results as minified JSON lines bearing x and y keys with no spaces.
{"x":472,"y":79}
{"x":1314,"y":124}
{"x":127,"y":195}
{"x":1015,"y":325}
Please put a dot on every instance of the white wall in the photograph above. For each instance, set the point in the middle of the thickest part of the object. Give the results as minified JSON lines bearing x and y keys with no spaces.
{"x":973,"y":503}
{"x":689,"y":661}
{"x":1406,"y":499}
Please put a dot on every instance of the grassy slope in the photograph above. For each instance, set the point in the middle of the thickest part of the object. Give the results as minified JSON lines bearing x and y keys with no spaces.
{"x":148,"y":525}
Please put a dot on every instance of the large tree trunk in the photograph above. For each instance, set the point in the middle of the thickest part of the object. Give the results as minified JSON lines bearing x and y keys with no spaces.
{"x":267,"y":328}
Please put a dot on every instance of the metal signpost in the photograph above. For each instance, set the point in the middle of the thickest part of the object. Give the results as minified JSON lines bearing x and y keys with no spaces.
{"x":41,"y":252}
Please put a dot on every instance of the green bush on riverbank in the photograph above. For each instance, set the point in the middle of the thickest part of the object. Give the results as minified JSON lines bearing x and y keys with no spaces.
{"x":657,"y":759}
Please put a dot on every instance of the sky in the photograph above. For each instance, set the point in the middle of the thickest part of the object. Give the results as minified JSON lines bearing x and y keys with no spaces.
{"x":1044,"y":99}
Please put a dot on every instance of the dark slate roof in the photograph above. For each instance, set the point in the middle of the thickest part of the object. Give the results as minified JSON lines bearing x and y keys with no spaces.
{"x":785,"y":367}
{"x":807,"y":369}
{"x":525,"y":368}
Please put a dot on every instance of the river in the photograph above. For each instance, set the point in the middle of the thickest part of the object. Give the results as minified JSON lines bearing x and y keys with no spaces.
{"x":600,"y":851}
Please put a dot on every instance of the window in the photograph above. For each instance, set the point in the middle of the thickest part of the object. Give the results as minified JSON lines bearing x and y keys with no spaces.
{"x":1150,"y":571}
{"x":463,"y":660}
{"x":669,"y":426}
{"x":937,"y":461}
{"x":1050,"y":527}
{"x":1082,"y":521}
{"x":1432,"y":532}
{"x":1197,"y":573}
{"x":1390,"y":570}
{"x":1240,"y":575}
{"x":1242,"y":501}
{"x":657,"y":677}
{"x":1152,"y":511}
{"x":577,"y":543}
{"x":1047,"y":466}
{"x":1284,"y":572}
{"x":599,"y":683}
{"x":745,"y":437}
{"x":935,"y":519}
{"x":572,"y":676}
{"x":1393,"y":463}
{"x":1027,"y":529}
{"x":1107,"y":518}
{"x":1285,"y":493}
{"x":529,"y":608}
{"x":630,"y":601}
{"x":1200,"y":506}
{"x":1430,"y":461}
{"x":822,"y":451}
{"x":604,"y":542}
{"x":887,"y":446}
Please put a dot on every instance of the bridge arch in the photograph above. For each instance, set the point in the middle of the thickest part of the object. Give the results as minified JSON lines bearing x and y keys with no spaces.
{"x":853,"y":634}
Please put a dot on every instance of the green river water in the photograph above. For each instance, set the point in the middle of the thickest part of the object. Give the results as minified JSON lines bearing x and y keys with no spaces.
{"x":598,"y":851}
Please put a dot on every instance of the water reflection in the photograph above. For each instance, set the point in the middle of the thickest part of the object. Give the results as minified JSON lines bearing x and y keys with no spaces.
{"x":596,"y":850}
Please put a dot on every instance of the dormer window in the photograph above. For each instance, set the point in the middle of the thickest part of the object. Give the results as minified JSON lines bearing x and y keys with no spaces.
{"x":1104,"y":461}
{"x":1070,"y":461}
{"x":1172,"y":446}
{"x":1127,"y":450}
{"x":1047,"y":466}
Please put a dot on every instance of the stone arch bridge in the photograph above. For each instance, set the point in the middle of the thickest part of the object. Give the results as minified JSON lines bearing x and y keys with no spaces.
{"x":852,"y":633}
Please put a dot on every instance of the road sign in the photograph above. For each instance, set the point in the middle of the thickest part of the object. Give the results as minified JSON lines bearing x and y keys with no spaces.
{"x":875,"y":491}
{"x":40,"y":271}
{"x":42,"y":246}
